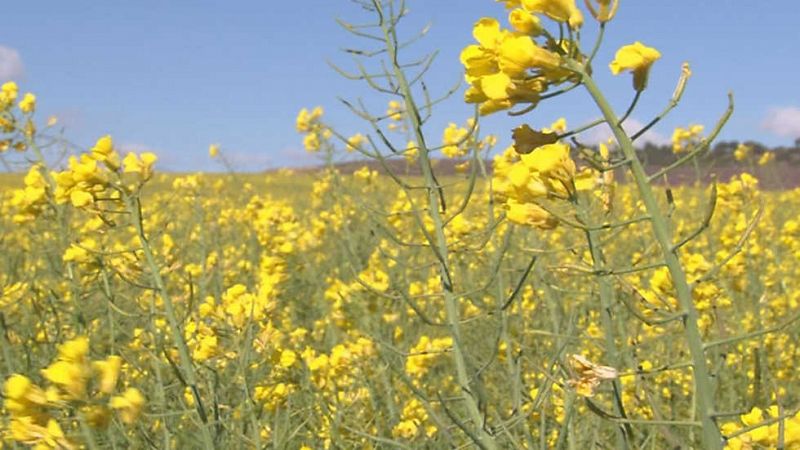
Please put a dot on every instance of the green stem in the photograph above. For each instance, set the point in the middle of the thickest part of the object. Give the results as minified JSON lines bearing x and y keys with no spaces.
{"x":87,"y":433}
{"x":7,"y":361}
{"x":471,"y":390}
{"x":702,"y":379}
{"x":606,"y":303}
{"x":134,"y":205}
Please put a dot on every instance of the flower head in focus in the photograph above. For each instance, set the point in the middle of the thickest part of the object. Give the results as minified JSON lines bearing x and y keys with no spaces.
{"x":636,"y":58}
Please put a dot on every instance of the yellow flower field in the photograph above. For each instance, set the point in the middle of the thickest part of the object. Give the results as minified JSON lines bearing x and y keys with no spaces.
{"x":547,"y":295}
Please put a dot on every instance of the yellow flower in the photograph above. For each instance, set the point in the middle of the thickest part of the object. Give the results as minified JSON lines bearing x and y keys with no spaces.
{"x":497,"y":69}
{"x":559,"y":126}
{"x":766,"y":158}
{"x":28,"y":103}
{"x":108,"y":372}
{"x":520,"y":53}
{"x":741,"y":152}
{"x":80,"y":198}
{"x":288,"y":359}
{"x":552,"y":161}
{"x":207,"y":347}
{"x":104,"y":146}
{"x":306,"y":119}
{"x":530,"y":214}
{"x":69,"y":376}
{"x":527,"y":183}
{"x":103,"y":150}
{"x":487,"y":32}
{"x":141,"y":164}
{"x":311,"y":142}
{"x":213,"y":150}
{"x":558,"y":10}
{"x":128,"y":405}
{"x":605,"y":10}
{"x":50,"y":436}
{"x":21,"y":395}
{"x":74,"y":350}
{"x":496,"y":86}
{"x":8,"y":94}
{"x":411,"y":151}
{"x":684,"y":138}
{"x":637,"y":58}
{"x":524,"y":22}
{"x":394,"y":110}
{"x":452,"y":140}
{"x":355,"y":142}
{"x":754,"y":417}
{"x":586,"y":180}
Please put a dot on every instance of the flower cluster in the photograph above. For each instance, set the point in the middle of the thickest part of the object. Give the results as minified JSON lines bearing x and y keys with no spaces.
{"x":315,"y":132}
{"x":685,"y":139}
{"x":766,"y":430}
{"x":76,"y":384}
{"x":509,"y":67}
{"x":524,"y":180}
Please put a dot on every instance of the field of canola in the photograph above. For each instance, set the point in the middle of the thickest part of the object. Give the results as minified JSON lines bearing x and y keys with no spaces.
{"x":557,"y":299}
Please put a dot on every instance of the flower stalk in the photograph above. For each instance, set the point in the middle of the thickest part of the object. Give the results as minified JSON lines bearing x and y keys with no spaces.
{"x":712,"y":439}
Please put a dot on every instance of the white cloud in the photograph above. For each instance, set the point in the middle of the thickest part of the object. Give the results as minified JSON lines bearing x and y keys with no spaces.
{"x":293,"y":156}
{"x":10,"y":64}
{"x":784,"y":122}
{"x":602,"y":133}
{"x":248,"y":160}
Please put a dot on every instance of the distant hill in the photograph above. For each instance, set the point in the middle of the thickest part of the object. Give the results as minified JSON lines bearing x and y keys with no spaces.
{"x":782,"y":173}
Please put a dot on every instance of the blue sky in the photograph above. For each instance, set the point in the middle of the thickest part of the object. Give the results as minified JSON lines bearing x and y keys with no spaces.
{"x":175,"y":76}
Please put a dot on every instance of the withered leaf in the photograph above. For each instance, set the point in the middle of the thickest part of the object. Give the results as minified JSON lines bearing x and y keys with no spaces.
{"x":526,"y":139}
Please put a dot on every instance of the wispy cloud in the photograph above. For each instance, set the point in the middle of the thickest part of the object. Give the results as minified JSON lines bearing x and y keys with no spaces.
{"x":602,"y":133}
{"x":296,"y":157}
{"x":783,"y":121}
{"x":249,"y":161}
{"x":11,"y":66}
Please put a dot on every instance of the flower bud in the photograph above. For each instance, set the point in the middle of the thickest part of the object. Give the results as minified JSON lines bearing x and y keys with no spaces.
{"x":605,"y":10}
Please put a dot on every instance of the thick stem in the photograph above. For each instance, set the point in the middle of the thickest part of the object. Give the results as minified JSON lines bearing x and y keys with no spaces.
{"x":712,"y":438}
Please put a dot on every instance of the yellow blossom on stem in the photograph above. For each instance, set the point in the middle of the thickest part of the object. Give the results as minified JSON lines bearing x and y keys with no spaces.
{"x":558,"y":10}
{"x":69,"y":376}
{"x":766,"y":158}
{"x":636,"y":58}
{"x":8,"y":94}
{"x":28,"y":103}
{"x":21,"y":395}
{"x":604,"y":11}
{"x":524,"y":22}
{"x":742,"y":152}
{"x":108,"y":373}
{"x":306,"y":118}
{"x":140,"y":164}
{"x":355,"y":142}
{"x":103,"y":150}
{"x":128,"y":405}
{"x":552,"y":161}
{"x":530,"y":214}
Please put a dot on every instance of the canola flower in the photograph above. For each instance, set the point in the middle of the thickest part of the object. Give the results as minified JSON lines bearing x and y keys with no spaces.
{"x":76,"y":384}
{"x":636,"y":58}
{"x":337,"y":309}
